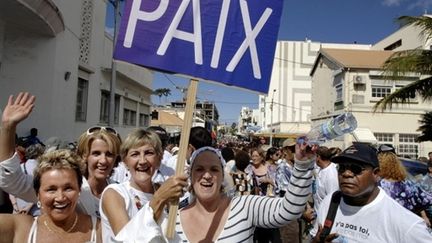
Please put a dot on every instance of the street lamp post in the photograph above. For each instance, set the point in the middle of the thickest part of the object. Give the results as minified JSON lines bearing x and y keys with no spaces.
{"x":116,"y":5}
{"x":271,"y":119}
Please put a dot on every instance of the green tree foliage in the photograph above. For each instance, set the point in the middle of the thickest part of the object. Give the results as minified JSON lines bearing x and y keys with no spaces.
{"x":162,"y":92}
{"x":418,"y":61}
{"x":425,"y":127}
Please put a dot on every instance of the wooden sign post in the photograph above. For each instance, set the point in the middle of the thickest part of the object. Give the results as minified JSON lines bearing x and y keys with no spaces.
{"x":184,"y":143}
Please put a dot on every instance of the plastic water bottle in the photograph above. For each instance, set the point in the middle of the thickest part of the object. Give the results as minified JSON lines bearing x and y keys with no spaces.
{"x":333,"y":128}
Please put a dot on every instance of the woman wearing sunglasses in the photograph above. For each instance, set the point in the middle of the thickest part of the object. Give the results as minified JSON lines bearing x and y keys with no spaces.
{"x":395,"y":183}
{"x":98,"y":147}
{"x":142,"y":153}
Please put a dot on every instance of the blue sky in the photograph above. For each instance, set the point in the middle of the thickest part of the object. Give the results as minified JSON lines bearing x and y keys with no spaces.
{"x":329,"y":21}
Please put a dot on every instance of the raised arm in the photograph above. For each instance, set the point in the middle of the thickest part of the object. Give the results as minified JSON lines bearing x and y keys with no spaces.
{"x":12,"y":179}
{"x":15,"y":111}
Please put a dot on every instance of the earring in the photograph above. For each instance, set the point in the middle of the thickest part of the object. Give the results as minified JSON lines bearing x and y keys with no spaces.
{"x":38,"y":204}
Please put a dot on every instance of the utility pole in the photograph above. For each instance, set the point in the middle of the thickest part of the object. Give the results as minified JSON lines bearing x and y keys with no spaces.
{"x":116,"y":4}
{"x":271,"y":119}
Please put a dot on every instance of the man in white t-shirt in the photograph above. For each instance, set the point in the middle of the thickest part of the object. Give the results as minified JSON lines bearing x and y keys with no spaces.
{"x":326,"y":179}
{"x":365,"y":212}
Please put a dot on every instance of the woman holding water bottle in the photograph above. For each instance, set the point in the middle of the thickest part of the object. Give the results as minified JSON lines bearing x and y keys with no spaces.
{"x":213,"y":216}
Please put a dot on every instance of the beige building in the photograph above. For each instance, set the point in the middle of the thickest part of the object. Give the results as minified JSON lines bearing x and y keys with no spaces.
{"x":60,"y":52}
{"x":345,"y":77}
{"x":351,"y":80}
{"x":287,"y":106}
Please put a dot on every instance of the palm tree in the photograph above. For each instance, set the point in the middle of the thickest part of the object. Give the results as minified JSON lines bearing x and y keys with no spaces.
{"x":162,"y":92}
{"x":425,"y":128}
{"x":410,"y":61}
{"x":166,"y":93}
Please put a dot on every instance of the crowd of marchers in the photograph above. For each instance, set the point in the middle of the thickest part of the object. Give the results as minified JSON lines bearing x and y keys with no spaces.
{"x":106,"y":188}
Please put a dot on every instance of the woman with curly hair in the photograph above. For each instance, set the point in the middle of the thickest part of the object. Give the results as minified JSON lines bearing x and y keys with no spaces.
{"x":98,"y":147}
{"x":395,"y":183}
{"x":57,"y":183}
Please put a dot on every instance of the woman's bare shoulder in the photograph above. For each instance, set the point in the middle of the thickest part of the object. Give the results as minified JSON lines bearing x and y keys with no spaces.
{"x":15,"y":227}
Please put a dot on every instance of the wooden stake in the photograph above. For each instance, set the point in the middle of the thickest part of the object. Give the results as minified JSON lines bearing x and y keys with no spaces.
{"x":184,"y":143}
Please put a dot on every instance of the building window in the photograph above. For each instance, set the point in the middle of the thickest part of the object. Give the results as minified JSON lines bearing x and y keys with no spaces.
{"x":81,"y":101}
{"x":129,"y":117}
{"x":144,"y":120}
{"x":104,"y":110}
{"x":380,"y":91}
{"x":339,"y":92}
{"x":394,"y":45}
{"x":384,"y":138}
{"x":411,"y":95}
{"x":408,"y":147}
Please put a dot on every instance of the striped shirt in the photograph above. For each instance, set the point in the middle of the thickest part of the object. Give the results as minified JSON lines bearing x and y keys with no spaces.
{"x":248,"y":212}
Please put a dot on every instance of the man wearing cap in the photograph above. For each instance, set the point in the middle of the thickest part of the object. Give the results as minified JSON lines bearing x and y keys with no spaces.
{"x":365,"y":213}
{"x":289,"y":232}
{"x":284,"y":168}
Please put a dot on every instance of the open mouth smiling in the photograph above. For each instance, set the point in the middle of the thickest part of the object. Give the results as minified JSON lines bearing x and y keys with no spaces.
{"x":143,"y":168}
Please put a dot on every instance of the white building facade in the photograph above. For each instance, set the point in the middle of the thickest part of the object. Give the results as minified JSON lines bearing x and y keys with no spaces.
{"x":287,"y":106}
{"x":296,"y":100}
{"x":66,"y":64}
{"x":352,"y":81}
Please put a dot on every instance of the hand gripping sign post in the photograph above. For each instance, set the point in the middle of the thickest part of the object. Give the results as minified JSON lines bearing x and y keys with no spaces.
{"x":227,"y":41}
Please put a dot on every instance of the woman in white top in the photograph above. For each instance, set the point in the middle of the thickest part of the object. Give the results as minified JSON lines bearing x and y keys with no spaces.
{"x":142,"y":153}
{"x":98,"y":147}
{"x":57,"y":184}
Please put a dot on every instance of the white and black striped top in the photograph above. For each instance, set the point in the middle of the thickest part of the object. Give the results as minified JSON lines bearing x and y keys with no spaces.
{"x":248,"y":212}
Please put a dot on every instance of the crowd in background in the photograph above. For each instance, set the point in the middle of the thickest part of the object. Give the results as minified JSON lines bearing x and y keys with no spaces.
{"x":121,"y":179}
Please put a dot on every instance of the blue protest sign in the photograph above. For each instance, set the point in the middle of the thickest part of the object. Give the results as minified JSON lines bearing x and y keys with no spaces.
{"x":228,"y":41}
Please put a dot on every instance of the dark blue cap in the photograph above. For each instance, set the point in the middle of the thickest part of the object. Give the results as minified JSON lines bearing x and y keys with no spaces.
{"x":360,"y":153}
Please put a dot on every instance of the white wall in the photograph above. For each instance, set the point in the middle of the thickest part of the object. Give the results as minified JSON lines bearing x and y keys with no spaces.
{"x":401,"y":119}
{"x":38,"y":64}
{"x":408,"y":34}
{"x":292,"y":102}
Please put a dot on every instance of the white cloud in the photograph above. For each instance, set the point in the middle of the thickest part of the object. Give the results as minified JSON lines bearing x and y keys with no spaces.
{"x":422,"y":4}
{"x":392,"y":2}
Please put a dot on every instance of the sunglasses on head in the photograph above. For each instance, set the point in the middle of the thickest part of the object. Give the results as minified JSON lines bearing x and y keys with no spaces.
{"x":385,"y":148}
{"x":356,"y":169}
{"x":95,"y":129}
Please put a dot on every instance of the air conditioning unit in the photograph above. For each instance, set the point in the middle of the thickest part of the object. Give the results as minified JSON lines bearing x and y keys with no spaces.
{"x":358,"y":79}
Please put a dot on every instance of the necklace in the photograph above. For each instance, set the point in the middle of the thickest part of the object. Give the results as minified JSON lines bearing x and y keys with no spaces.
{"x":67,"y":231}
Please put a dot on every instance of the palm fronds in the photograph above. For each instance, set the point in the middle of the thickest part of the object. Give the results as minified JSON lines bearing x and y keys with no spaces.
{"x":425,"y":128}
{"x":423,"y":22}
{"x":422,"y":87}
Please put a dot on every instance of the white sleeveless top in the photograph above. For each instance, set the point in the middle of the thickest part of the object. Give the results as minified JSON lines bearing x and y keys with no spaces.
{"x":33,"y":231}
{"x":133,"y":199}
